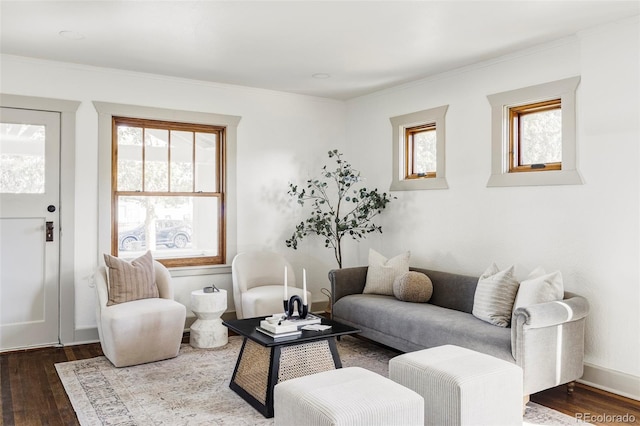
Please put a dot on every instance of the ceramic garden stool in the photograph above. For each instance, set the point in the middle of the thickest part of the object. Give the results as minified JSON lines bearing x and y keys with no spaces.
{"x":207,"y":331}
{"x":347,"y":396}
{"x":461,"y":386}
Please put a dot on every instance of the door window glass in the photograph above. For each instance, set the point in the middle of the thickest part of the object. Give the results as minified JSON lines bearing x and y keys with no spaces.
{"x":22,"y":164}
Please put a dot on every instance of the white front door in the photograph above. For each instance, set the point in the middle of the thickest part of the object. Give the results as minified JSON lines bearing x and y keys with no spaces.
{"x":29,"y":228}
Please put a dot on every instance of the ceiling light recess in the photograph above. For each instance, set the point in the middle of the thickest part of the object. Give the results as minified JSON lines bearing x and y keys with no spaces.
{"x":321,"y":75}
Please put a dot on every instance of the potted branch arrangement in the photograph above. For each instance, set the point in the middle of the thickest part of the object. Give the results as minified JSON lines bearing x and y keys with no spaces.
{"x":338,"y":208}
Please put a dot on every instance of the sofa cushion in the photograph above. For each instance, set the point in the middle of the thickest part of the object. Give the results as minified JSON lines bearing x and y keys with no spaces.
{"x":414,"y":326}
{"x":128,"y":281}
{"x":452,"y":291}
{"x":495,"y":294}
{"x":382,"y":272}
{"x":413,"y":286}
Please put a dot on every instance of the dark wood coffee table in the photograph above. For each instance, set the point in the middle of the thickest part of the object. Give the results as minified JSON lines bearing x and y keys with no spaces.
{"x":263,"y":361}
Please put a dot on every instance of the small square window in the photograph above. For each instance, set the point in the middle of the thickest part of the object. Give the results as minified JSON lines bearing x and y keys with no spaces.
{"x":535,"y":137}
{"x":420,"y":152}
{"x":418,"y":143}
{"x":533,"y":129}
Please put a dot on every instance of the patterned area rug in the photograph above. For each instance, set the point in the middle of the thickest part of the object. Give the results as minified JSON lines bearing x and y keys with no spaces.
{"x":193,"y":389}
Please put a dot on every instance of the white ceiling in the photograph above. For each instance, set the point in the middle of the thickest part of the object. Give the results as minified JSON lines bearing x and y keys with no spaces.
{"x":363,"y":45}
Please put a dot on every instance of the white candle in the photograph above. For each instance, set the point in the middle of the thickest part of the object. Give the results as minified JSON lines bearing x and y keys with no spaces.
{"x":285,"y":284}
{"x":304,"y":286}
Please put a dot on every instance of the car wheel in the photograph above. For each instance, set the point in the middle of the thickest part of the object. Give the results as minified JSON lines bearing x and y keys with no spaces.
{"x":180,"y":241}
{"x":127,"y":243}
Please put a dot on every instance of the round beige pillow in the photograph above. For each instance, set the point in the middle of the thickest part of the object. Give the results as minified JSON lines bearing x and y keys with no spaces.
{"x":413,"y":286}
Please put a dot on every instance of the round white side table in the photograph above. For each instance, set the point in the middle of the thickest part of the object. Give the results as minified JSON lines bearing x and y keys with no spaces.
{"x":207,"y":331}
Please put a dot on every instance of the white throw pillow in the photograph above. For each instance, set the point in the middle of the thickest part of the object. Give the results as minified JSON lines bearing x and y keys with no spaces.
{"x":382,"y":272}
{"x":539,"y":287}
{"x":495,"y":294}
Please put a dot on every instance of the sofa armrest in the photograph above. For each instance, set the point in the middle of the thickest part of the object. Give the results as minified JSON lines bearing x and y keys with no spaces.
{"x":347,"y":281}
{"x":547,"y":341}
{"x":553,"y":313}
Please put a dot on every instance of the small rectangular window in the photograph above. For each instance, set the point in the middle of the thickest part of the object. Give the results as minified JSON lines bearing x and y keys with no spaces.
{"x":535,"y":137}
{"x":420,"y":151}
{"x":418,"y":143}
{"x":533,"y":129}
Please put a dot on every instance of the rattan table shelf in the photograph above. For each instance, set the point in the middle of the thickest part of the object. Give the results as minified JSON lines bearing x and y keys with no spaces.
{"x":263,"y":361}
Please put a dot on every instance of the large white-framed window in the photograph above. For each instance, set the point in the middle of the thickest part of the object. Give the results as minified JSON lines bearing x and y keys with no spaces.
{"x":182,"y":143}
{"x":533,"y":135}
{"x":418,"y":144}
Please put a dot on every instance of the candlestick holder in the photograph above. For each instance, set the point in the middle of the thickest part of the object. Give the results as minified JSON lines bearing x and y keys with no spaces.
{"x":303,"y":310}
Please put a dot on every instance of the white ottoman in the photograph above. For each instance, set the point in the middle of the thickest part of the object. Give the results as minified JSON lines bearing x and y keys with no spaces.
{"x":347,"y":396}
{"x":461,"y":386}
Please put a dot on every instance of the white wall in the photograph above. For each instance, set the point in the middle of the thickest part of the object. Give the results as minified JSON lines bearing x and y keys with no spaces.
{"x":280,"y":137}
{"x":588,"y":232}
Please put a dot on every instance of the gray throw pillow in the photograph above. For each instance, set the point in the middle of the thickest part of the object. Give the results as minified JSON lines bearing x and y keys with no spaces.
{"x":494,"y":297}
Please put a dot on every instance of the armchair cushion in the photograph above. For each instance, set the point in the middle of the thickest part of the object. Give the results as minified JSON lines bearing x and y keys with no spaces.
{"x":130,"y":280}
{"x":267,"y":300}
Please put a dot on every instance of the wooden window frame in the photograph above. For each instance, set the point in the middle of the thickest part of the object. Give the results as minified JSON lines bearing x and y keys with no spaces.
{"x":220,"y":131}
{"x":409,"y":151}
{"x":500,"y":103}
{"x":515,"y":135}
{"x":401,"y":179}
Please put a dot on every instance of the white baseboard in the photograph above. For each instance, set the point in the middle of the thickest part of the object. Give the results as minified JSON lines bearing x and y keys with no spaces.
{"x":84,"y":335}
{"x":611,"y":381}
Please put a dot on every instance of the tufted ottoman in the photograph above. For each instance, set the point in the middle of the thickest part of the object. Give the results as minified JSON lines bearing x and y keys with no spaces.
{"x":461,"y":386}
{"x":346,"y":396}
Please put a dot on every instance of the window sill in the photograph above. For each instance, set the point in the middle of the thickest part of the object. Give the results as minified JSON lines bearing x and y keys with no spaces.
{"x":552,"y":177}
{"x":190,"y":271}
{"x":419,"y":184}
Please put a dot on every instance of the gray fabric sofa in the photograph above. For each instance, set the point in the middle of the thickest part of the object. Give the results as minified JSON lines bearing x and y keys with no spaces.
{"x":546,"y":340}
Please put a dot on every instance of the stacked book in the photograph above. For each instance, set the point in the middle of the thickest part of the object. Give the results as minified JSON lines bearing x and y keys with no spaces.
{"x":286,"y":328}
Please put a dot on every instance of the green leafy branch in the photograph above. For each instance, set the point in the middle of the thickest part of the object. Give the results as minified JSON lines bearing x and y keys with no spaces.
{"x":350,"y":213}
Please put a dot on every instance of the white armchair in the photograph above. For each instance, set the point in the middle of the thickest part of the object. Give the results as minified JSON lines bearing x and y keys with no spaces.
{"x":258,"y":281}
{"x":140,"y":331}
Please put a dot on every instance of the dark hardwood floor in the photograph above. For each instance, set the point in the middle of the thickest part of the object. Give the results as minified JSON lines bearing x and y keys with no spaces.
{"x":591,"y":405}
{"x":32,"y":394}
